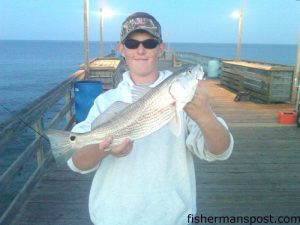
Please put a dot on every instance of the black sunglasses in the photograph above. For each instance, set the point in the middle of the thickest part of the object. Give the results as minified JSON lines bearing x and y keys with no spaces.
{"x":133,"y":44}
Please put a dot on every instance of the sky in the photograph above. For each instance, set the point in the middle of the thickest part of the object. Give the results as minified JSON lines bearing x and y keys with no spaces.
{"x":196,"y":21}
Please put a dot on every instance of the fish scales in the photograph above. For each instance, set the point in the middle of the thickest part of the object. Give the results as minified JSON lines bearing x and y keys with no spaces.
{"x":148,"y":118}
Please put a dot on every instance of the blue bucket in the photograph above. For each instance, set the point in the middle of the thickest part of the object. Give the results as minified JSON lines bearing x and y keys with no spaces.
{"x":86,"y":92}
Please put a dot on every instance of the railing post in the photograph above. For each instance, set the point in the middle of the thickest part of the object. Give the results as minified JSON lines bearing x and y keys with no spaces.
{"x":68,"y":99}
{"x":39,"y":127}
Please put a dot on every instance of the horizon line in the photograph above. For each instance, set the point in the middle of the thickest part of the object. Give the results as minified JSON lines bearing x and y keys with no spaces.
{"x":175,"y":42}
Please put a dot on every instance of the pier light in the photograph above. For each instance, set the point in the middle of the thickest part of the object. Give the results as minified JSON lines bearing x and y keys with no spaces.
{"x":239,"y":15}
{"x":104,"y":13}
{"x":108,"y":13}
{"x":236,"y":14}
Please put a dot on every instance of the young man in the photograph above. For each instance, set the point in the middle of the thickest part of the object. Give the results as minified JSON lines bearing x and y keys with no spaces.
{"x":152,"y":180}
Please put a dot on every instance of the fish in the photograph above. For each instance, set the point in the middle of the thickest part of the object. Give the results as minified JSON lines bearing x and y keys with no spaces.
{"x":156,"y":108}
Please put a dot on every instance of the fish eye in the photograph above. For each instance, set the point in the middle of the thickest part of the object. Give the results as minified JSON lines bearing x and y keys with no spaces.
{"x":72,"y":138}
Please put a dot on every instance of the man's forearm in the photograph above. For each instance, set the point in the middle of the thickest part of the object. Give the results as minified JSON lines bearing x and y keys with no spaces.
{"x":216,"y":136}
{"x":88,"y":157}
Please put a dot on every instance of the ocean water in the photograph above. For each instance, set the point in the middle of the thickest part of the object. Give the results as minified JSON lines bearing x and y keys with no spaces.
{"x":30,"y":68}
{"x":278,"y":54}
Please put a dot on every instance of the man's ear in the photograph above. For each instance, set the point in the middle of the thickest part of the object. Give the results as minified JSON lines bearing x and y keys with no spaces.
{"x":161,"y":47}
{"x":120,"y":48}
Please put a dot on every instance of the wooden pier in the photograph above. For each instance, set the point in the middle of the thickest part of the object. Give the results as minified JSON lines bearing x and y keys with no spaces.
{"x":262,"y":177}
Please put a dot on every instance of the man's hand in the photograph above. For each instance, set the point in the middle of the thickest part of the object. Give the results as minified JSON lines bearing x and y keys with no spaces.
{"x":198,"y":109}
{"x":120,"y":150}
{"x":90,"y":155}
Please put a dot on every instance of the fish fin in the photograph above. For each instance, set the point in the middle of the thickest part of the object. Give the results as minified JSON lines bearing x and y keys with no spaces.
{"x":180,"y":95}
{"x":109,"y":113}
{"x":139,"y":91}
{"x":175,"y":124}
{"x":61,"y":146}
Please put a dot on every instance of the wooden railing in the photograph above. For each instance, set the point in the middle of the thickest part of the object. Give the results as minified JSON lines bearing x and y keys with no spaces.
{"x":33,"y":116}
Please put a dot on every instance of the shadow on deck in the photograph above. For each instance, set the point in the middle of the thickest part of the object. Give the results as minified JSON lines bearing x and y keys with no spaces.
{"x":261,"y":177}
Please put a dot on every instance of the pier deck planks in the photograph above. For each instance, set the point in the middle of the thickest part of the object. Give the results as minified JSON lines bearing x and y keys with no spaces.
{"x":262,"y":176}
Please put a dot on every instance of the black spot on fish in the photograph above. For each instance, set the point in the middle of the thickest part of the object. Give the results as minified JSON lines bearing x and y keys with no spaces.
{"x":72,"y":138}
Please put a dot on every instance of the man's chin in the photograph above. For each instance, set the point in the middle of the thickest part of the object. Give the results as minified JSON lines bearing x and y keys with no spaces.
{"x":142,"y":71}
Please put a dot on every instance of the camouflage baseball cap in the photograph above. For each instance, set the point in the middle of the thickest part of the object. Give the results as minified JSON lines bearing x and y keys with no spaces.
{"x":141,"y":21}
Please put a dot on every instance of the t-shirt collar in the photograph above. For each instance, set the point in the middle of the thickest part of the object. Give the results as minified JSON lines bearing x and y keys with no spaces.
{"x":128,"y":80}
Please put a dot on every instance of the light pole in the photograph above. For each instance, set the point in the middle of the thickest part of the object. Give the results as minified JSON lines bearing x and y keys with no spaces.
{"x":296,"y":86}
{"x":239,"y":14}
{"x":104,"y":13}
{"x":168,"y":49}
{"x":101,"y":50}
{"x":86,"y":39}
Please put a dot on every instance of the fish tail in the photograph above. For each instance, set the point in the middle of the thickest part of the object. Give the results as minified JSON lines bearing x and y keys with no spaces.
{"x":61,"y":146}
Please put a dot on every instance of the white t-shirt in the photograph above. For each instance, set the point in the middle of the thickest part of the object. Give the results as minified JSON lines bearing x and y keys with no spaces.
{"x":155,"y":183}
